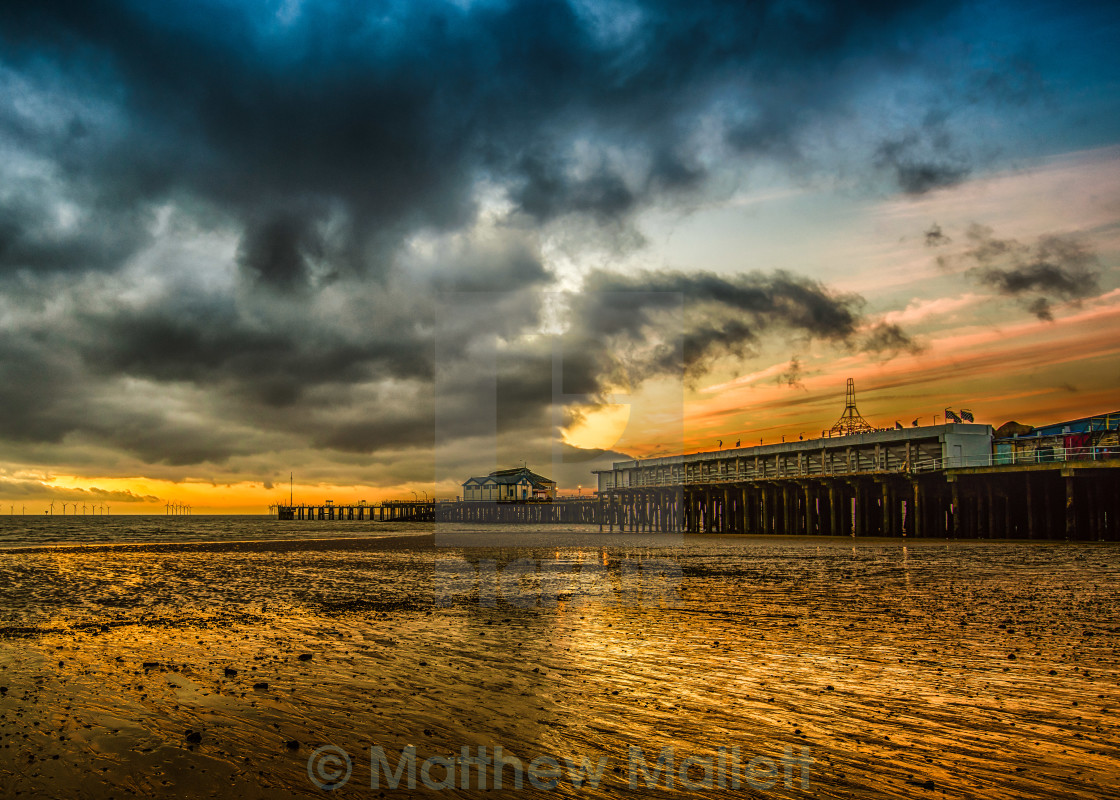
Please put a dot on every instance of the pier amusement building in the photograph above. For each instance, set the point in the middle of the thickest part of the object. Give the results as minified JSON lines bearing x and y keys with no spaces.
{"x":955,"y":479}
{"x":509,"y":486}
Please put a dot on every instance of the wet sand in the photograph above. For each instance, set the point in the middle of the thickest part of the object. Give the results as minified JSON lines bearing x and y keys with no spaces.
{"x":931,"y":669}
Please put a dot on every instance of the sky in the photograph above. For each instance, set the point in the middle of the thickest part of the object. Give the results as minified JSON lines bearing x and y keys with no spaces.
{"x":253,"y":251}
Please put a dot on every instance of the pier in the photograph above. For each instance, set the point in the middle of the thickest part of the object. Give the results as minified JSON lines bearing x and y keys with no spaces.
{"x":389,"y":511}
{"x":932,"y":481}
{"x":581,"y":511}
{"x":950,"y":480}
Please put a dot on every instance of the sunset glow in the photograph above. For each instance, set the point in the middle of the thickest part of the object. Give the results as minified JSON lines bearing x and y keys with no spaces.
{"x":383,"y":287}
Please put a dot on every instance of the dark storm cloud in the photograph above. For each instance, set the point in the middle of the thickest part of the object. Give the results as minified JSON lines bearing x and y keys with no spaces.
{"x":278,"y":251}
{"x":1053,"y":268}
{"x":186,"y":376}
{"x":48,"y":396}
{"x":32,"y":238}
{"x":924,"y":158}
{"x":385,"y":431}
{"x":327,"y":144}
{"x":32,"y":377}
{"x":714,"y":316}
{"x":888,"y":340}
{"x":393,"y":112}
{"x":547,"y":193}
{"x":624,"y":330}
{"x":17,"y":490}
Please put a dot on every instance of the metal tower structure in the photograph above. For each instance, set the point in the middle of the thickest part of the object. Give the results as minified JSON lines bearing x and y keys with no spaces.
{"x":850,"y":421}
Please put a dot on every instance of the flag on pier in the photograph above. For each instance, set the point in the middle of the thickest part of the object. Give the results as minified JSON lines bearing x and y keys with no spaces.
{"x":966,"y":415}
{"x":950,"y":415}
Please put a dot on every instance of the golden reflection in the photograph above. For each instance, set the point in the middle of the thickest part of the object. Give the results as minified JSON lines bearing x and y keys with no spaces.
{"x":123,"y":655}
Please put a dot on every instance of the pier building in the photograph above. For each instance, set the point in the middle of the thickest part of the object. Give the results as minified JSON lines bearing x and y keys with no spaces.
{"x":937,"y":480}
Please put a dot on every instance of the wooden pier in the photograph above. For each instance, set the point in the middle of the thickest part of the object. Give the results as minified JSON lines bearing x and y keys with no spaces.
{"x":924,"y":482}
{"x":573,"y":511}
{"x":389,"y":511}
{"x":1079,"y":501}
{"x":934,"y":481}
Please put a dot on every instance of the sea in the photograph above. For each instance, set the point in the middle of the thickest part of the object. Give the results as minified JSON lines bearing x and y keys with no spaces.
{"x":192,"y":656}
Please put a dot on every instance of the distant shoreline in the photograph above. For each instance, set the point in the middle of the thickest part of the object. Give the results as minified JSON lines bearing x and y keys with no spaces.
{"x":388,"y":541}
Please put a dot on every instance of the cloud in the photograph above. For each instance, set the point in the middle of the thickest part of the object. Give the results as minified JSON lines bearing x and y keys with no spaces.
{"x":792,"y":375}
{"x":16,"y":489}
{"x":341,"y":131}
{"x":1053,"y":267}
{"x":227,"y":233}
{"x":680,"y":324}
{"x":935,"y":237}
{"x":888,"y":339}
{"x":924,"y":158}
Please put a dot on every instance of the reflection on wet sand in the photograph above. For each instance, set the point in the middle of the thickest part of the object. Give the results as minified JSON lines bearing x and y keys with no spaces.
{"x":948,"y":669}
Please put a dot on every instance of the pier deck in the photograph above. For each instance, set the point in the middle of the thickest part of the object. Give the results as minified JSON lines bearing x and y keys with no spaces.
{"x":582,"y":511}
{"x":932,"y":481}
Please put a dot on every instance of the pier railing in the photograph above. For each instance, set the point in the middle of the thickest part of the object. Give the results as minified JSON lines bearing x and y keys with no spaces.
{"x":1039,"y":455}
{"x":562,"y":510}
{"x":884,"y":463}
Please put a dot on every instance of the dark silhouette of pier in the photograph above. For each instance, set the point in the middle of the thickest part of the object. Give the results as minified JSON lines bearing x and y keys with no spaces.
{"x":953,"y":480}
{"x":389,"y":511}
{"x":933,"y":481}
{"x":582,"y":511}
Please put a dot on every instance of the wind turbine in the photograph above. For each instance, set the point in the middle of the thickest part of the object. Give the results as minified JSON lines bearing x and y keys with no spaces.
{"x":52,"y":508}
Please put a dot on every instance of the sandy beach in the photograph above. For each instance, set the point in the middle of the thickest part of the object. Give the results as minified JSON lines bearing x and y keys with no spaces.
{"x":929,"y":669}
